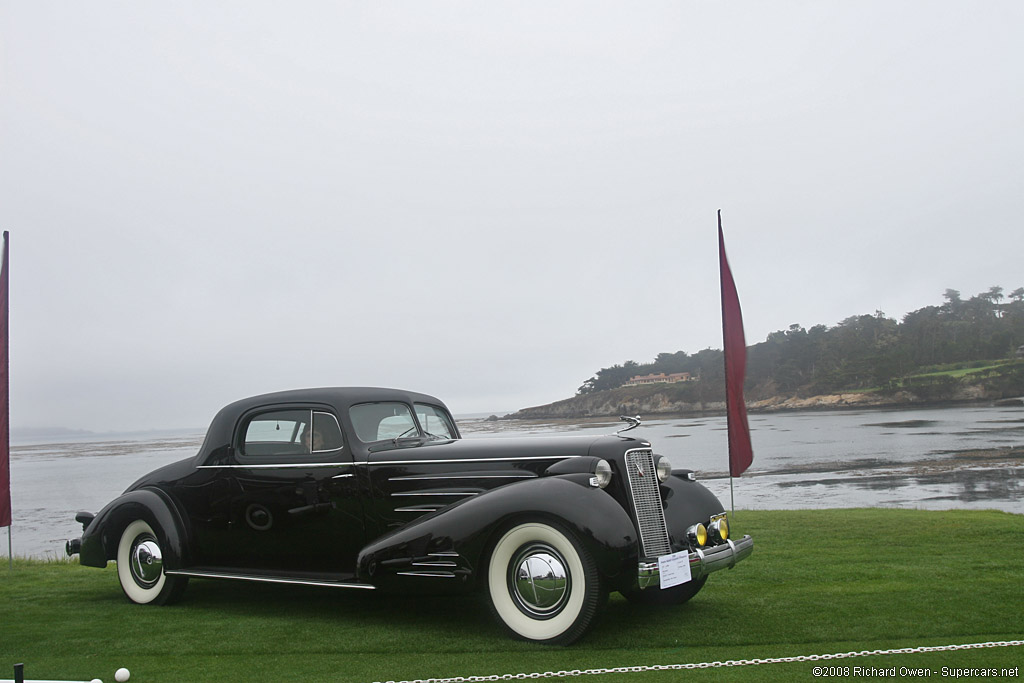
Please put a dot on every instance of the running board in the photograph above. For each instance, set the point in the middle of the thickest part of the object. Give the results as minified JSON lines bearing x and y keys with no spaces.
{"x":327,"y":583}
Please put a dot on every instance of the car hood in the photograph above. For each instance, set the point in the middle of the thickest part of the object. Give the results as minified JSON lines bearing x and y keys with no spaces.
{"x":488,"y":448}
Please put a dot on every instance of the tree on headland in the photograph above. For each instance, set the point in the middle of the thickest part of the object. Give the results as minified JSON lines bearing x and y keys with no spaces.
{"x":859,"y":352}
{"x":610,"y":378}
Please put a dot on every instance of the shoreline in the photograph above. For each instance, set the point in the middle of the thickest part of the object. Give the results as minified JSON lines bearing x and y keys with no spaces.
{"x":566,"y":408}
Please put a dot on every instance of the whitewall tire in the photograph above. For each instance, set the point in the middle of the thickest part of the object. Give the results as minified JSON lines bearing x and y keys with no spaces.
{"x":140,"y":567}
{"x":542,"y":584}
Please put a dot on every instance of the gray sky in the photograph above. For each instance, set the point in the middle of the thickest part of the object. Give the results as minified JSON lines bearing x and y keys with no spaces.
{"x":486,"y":201}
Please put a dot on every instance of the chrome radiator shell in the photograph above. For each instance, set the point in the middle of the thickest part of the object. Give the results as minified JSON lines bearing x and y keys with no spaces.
{"x":645,"y":492}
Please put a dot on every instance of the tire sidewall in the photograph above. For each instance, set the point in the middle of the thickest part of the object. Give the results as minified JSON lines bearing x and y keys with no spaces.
{"x":520,"y":623}
{"x":135,"y":592}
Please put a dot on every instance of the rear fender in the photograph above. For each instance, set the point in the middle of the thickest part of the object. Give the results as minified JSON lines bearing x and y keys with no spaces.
{"x":453,"y":543}
{"x":101,"y":537}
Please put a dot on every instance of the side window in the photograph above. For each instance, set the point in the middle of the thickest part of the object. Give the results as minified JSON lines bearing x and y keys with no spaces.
{"x":326,"y":433}
{"x":277,"y":432}
{"x":380,"y":421}
{"x":294,"y":432}
{"x":435,"y":421}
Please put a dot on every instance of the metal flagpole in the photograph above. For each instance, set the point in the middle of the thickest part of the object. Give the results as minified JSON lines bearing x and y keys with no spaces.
{"x":732,"y":496}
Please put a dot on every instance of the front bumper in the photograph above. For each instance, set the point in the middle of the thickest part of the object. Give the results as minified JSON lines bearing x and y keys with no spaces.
{"x":703,"y":561}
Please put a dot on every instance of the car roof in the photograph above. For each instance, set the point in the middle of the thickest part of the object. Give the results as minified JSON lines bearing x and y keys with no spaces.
{"x":223,"y":423}
{"x":340,"y":396}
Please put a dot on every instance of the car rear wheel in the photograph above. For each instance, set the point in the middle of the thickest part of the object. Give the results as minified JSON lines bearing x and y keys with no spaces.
{"x":676,"y":595}
{"x":140,"y":567}
{"x":542,"y":584}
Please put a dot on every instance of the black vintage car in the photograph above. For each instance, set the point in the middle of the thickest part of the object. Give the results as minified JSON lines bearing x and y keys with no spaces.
{"x":375,"y":489}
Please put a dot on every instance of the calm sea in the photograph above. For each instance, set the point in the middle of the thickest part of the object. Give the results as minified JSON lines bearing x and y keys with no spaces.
{"x":939,"y":458}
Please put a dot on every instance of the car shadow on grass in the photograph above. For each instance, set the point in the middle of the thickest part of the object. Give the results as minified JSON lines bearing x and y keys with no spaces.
{"x":367,"y":620}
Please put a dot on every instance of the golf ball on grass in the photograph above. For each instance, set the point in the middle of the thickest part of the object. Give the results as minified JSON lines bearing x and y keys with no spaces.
{"x":122,"y":675}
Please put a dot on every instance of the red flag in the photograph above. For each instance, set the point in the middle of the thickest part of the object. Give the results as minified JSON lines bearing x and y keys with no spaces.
{"x":5,"y":412}
{"x":741,"y":454}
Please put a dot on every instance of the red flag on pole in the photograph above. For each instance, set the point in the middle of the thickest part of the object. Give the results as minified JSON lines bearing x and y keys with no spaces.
{"x":5,"y":412}
{"x":741,"y":454}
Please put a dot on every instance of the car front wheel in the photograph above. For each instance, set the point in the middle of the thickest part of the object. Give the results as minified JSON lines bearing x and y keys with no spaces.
{"x":542,"y":584}
{"x":140,"y":567}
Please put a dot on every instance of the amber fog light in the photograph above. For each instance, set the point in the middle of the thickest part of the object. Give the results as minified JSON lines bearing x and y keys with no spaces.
{"x":697,"y":535}
{"x":720,"y":529}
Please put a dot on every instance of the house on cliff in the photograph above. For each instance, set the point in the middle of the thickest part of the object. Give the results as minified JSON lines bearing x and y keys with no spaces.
{"x":660,"y":378}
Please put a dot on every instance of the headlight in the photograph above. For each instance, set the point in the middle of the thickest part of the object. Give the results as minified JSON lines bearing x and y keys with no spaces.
{"x":719,"y":529}
{"x":602,"y":474}
{"x":664,"y":468}
{"x":697,"y":535}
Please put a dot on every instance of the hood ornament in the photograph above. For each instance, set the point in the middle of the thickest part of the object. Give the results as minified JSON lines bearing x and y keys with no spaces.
{"x":634,"y":422}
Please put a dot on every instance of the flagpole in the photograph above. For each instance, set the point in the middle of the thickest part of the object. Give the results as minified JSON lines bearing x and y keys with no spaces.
{"x":732,"y":496}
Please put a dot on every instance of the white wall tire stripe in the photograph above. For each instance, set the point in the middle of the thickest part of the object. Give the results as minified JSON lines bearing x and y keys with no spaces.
{"x":131,"y":588}
{"x":497,"y":585}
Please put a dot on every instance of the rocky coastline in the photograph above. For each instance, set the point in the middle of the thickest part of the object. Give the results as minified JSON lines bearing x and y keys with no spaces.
{"x":630,"y":401}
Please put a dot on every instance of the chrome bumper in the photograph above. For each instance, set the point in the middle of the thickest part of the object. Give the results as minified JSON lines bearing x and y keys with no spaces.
{"x":703,"y":561}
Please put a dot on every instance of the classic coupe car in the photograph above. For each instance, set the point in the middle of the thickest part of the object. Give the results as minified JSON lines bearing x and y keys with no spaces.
{"x":368,"y":488}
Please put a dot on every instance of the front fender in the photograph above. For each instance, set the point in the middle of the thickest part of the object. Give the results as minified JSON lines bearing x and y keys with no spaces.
{"x":687,"y":502}
{"x":452,"y":543}
{"x":101,"y":537}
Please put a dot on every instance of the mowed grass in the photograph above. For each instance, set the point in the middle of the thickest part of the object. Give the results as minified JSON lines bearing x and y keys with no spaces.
{"x":818,"y":582}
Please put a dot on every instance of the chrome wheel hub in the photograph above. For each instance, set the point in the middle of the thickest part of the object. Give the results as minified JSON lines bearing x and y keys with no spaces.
{"x":539,"y":580}
{"x":146,"y":562}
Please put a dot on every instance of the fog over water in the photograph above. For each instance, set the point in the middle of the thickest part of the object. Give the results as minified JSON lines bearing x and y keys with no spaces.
{"x":968,"y":457}
{"x":483,"y":201}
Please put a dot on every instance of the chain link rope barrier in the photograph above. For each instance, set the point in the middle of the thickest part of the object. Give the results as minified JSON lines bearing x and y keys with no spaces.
{"x":713,"y":665}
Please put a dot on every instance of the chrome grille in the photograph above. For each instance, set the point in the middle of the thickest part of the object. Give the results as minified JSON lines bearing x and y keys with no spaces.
{"x":643,"y":485}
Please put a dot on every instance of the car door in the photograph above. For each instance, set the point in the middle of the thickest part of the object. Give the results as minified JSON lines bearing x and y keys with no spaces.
{"x":289,"y":503}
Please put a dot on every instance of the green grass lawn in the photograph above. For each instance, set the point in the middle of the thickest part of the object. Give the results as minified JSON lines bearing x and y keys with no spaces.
{"x":818,"y":582}
{"x":963,"y":371}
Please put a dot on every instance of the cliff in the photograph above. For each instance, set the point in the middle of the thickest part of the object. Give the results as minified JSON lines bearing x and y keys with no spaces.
{"x":673,"y":400}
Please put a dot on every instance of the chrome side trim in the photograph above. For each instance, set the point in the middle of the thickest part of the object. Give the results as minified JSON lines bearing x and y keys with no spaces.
{"x":435,"y":564}
{"x":417,"y":477}
{"x":268,"y":579}
{"x":435,"y":493}
{"x":463,"y":460}
{"x":428,"y":574}
{"x":280,"y":466}
{"x":385,"y":462}
{"x":342,"y":476}
{"x":417,"y":509}
{"x":444,"y":553}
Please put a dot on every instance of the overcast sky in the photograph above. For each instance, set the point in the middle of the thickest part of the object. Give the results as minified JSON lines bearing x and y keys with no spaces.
{"x":485,"y":201}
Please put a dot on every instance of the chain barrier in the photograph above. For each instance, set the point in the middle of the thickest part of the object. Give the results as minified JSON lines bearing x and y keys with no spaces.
{"x":713,"y":665}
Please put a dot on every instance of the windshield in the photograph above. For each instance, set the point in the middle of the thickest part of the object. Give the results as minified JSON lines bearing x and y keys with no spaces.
{"x":394,"y":420}
{"x":379,"y":421}
{"x":435,"y":421}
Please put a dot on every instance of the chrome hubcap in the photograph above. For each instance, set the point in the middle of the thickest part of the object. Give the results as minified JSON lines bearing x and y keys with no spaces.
{"x":539,"y":580}
{"x":147,"y":562}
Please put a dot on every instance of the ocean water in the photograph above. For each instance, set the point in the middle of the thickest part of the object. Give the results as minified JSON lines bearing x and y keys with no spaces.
{"x":937,"y":458}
